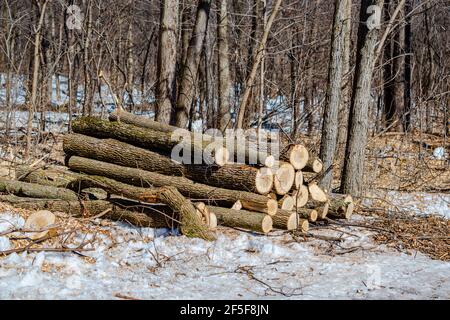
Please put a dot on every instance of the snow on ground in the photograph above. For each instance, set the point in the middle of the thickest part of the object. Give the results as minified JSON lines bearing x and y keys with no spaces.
{"x":148,"y":264}
{"x":416,"y":202}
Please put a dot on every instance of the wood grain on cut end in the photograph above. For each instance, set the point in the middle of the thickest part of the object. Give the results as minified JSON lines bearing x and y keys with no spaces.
{"x":317,"y":193}
{"x":285,"y":220}
{"x":314,"y":165}
{"x":237,"y":205}
{"x":284,"y":178}
{"x":287,"y":202}
{"x":298,"y":156}
{"x":221,"y":156}
{"x":301,"y":196}
{"x":298,"y":181}
{"x":264,"y":180}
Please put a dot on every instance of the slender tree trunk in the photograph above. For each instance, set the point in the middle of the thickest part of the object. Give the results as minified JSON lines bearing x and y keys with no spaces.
{"x":167,"y":59}
{"x":34,"y":84}
{"x":353,"y":171}
{"x":224,"y":68}
{"x":408,"y":67}
{"x":347,"y":76}
{"x":256,"y":61}
{"x":333,"y":94}
{"x":190,"y":67}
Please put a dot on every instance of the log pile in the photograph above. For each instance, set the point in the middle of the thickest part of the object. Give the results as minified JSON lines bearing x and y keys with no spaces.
{"x":129,"y":159}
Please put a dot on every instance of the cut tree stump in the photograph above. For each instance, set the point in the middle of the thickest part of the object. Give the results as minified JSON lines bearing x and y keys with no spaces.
{"x":254,"y":221}
{"x":230,"y":176}
{"x":187,"y":187}
{"x":32,"y":190}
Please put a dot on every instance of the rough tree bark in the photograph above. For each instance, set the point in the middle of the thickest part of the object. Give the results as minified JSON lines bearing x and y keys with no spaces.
{"x":187,"y":187}
{"x":167,"y":58}
{"x":190,"y":67}
{"x":333,"y":94}
{"x":353,"y":171}
{"x":224,"y":68}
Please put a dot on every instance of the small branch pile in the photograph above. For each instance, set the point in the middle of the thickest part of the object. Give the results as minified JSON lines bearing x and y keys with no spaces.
{"x":121,"y":169}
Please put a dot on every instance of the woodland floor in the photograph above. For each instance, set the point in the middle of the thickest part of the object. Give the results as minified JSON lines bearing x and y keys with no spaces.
{"x":397,"y":246}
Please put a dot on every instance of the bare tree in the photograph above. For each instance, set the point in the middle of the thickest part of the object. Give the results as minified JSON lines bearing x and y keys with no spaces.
{"x":167,"y":59}
{"x":190,"y":67}
{"x":352,"y":175}
{"x":224,"y":67}
{"x":333,"y":94}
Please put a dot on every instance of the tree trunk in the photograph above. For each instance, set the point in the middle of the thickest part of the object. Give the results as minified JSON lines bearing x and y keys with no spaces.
{"x":191,"y":225}
{"x":139,"y":215}
{"x":167,"y":59}
{"x":241,"y":152}
{"x":35,"y":77}
{"x":32,"y":190}
{"x":408,"y":68}
{"x":190,"y":67}
{"x":353,"y":171}
{"x":254,"y":221}
{"x":187,"y":187}
{"x":347,"y":76}
{"x":333,"y":93}
{"x":153,"y":140}
{"x":224,"y":115}
{"x":256,"y":61}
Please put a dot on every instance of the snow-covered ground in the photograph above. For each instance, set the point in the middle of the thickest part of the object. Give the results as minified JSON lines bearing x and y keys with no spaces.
{"x":416,"y":203}
{"x":149,"y":264}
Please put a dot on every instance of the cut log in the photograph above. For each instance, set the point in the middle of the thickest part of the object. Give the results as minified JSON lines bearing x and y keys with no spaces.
{"x":273,"y":196}
{"x":317,"y":193}
{"x":254,"y":221}
{"x":320,"y":207}
{"x":285,"y":220}
{"x":237,"y":205}
{"x":284,"y":177}
{"x":39,"y":221}
{"x":53,"y":176}
{"x":231,"y":176}
{"x":32,"y":190}
{"x":297,"y":155}
{"x":289,"y":220}
{"x":309,"y":214}
{"x":341,"y":206}
{"x":186,"y":187}
{"x":152,"y":139}
{"x":140,"y":121}
{"x":300,"y":196}
{"x":298,"y":181}
{"x":239,"y":150}
{"x":191,"y":225}
{"x":143,"y":216}
{"x":313,"y":165}
{"x":286,"y":202}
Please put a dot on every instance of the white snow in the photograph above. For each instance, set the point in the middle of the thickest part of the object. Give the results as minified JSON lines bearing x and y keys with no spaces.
{"x":422,"y":203}
{"x":149,"y":264}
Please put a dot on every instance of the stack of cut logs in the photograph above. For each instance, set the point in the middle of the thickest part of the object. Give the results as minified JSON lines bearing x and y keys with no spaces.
{"x":122,"y":169}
